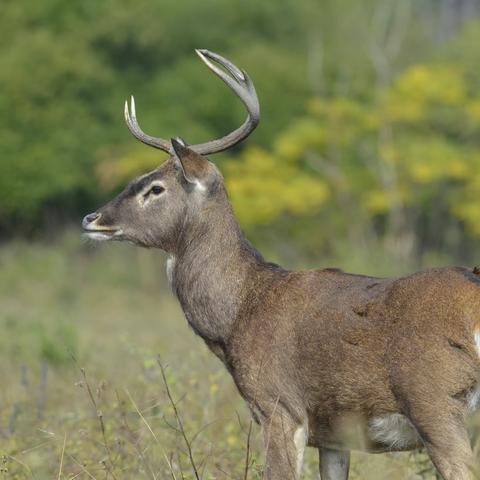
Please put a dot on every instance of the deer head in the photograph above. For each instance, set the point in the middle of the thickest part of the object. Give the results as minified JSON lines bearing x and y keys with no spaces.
{"x":155,"y":208}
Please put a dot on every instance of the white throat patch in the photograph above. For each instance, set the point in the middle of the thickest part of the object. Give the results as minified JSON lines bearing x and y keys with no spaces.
{"x":170,"y":269}
{"x":199,"y":185}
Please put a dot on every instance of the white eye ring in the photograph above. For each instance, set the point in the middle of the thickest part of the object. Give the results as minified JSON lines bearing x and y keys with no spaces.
{"x":154,"y":190}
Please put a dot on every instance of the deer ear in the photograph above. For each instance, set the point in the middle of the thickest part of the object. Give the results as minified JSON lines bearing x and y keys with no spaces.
{"x":193,"y":166}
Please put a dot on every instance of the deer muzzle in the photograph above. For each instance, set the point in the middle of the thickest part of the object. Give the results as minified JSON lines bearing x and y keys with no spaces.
{"x":95,"y":231}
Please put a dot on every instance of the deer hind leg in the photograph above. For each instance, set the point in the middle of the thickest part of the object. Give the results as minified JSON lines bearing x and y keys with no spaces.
{"x":285,"y":441}
{"x":444,"y":434}
{"x":451,"y":454}
{"x":334,"y":464}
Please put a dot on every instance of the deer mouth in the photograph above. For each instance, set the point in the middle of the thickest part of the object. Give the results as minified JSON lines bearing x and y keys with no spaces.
{"x":101,"y":234}
{"x":94,"y":231}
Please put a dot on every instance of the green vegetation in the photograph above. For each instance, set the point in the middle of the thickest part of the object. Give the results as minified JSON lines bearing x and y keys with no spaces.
{"x":367,"y":157}
{"x":68,"y":306}
{"x":368,"y":108}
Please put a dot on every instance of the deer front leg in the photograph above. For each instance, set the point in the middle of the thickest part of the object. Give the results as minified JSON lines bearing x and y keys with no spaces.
{"x":285,"y":442}
{"x":334,"y":464}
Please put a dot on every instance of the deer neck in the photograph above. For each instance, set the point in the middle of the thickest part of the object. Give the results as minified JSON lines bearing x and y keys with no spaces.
{"x":210,"y":273}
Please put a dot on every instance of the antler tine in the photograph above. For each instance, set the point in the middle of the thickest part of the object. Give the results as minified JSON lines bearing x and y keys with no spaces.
{"x":134,"y":127}
{"x":243,"y":87}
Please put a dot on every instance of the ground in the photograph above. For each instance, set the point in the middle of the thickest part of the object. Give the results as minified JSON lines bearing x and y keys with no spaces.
{"x":85,"y":332}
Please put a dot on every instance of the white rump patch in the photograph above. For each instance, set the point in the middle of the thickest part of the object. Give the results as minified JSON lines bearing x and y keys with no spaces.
{"x":300,"y":440}
{"x":394,"y":431}
{"x":477,"y":342}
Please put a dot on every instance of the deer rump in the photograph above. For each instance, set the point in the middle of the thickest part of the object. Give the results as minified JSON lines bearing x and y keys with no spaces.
{"x":368,"y":360}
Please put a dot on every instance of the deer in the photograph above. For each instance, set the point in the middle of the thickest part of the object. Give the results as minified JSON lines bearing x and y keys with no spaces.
{"x":323,"y":358}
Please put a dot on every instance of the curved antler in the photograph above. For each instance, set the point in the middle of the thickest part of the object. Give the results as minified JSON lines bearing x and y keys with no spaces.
{"x":137,"y":132}
{"x":242,"y":86}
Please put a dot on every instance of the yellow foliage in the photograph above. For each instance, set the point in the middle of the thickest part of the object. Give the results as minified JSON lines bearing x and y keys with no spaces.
{"x":262,"y":187}
{"x":388,"y":153}
{"x":377,"y":201}
{"x":473,"y":110}
{"x":423,"y":86}
{"x":380,"y":201}
{"x":430,"y":159}
{"x":422,"y":172}
{"x":346,"y":135}
{"x":467,"y":207}
{"x":341,"y":112}
{"x":304,"y":135}
{"x":470,"y":214}
{"x":458,"y":169}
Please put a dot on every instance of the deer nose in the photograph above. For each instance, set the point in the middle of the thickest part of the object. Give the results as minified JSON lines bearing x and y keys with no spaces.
{"x":91,"y":217}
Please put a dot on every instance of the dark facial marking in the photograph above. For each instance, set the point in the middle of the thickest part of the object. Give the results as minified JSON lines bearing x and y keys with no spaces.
{"x":137,"y":186}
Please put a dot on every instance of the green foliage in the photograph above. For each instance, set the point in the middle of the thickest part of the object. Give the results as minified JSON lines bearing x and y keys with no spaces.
{"x":67,"y":68}
{"x":369,"y":124}
{"x":59,"y":346}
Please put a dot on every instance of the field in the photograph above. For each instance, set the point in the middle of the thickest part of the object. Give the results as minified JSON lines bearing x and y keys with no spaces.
{"x":85,"y":334}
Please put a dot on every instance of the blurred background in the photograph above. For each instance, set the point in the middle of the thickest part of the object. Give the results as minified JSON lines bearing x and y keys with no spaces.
{"x":367,"y":158}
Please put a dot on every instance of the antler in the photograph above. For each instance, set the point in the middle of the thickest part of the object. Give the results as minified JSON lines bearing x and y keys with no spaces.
{"x":242,"y":86}
{"x":137,"y":132}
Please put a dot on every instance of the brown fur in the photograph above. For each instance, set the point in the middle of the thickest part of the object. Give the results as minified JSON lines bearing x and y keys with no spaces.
{"x":319,"y":349}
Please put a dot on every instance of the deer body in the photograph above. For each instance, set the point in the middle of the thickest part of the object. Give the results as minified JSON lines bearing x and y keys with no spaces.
{"x":354,"y":362}
{"x":323,"y":358}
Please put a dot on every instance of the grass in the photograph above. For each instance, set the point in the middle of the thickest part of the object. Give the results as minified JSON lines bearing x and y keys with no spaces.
{"x":83,"y":393}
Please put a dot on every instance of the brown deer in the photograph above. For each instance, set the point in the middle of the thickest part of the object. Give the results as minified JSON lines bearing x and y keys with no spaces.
{"x":323,"y":358}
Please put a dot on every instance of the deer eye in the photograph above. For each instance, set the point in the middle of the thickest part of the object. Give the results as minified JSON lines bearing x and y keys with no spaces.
{"x":157,"y":190}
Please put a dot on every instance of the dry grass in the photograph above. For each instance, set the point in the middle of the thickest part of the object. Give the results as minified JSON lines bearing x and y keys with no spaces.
{"x":83,"y":396}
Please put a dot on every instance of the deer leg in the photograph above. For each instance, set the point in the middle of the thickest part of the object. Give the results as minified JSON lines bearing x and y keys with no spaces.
{"x":451,"y":454}
{"x":334,"y":464}
{"x":444,"y":434}
{"x":285,"y":442}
